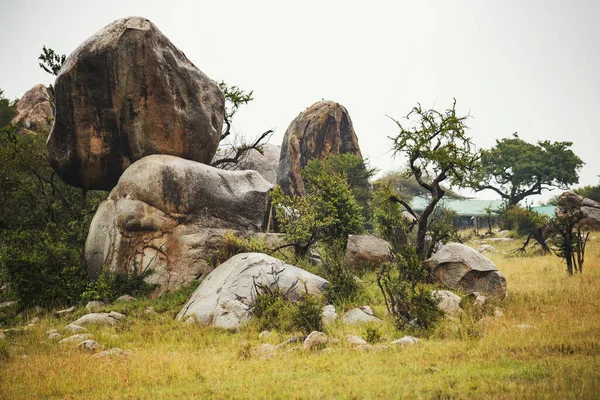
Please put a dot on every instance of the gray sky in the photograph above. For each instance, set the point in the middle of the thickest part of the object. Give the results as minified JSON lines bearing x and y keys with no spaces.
{"x":517,"y":66}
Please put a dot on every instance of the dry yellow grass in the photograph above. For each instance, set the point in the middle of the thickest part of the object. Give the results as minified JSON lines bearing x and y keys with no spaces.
{"x":557,"y":358}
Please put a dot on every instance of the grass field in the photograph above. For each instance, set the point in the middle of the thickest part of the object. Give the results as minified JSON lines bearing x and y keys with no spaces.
{"x":556,"y":357}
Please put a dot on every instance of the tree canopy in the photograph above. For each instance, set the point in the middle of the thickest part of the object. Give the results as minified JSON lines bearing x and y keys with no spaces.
{"x":516,"y":169}
{"x":438,"y":150}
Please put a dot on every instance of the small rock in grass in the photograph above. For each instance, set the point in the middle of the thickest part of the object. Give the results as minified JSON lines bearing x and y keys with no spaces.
{"x":264,"y":334}
{"x":2,"y":335}
{"x":8,"y":304}
{"x":315,"y":340}
{"x":64,"y":312}
{"x":364,"y":347}
{"x":449,"y":302}
{"x":328,"y":314}
{"x":359,"y":316}
{"x":406,"y":341}
{"x":126,"y":298}
{"x":354,"y":340}
{"x":55,"y":336}
{"x":498,"y":313}
{"x":51,"y":331}
{"x":486,"y":248}
{"x":115,"y":351}
{"x":328,"y":350}
{"x":76,"y":338}
{"x":34,"y":321}
{"x":89,"y":345}
{"x":95,"y":306}
{"x":75,"y":328}
{"x":524,"y":326}
{"x":149,"y":310}
{"x":367,"y":310}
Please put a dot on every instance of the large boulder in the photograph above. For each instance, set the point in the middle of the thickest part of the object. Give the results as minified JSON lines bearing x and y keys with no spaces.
{"x":265,"y":163}
{"x":588,"y":207}
{"x":457,"y":266}
{"x":125,"y":93}
{"x":223,"y":298}
{"x":169,"y":215}
{"x":322,"y":129}
{"x":34,"y":111}
{"x":366,"y":252}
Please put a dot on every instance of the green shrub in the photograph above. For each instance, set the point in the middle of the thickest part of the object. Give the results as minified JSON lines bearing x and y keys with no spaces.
{"x":271,"y":309}
{"x":408,"y":299}
{"x":343,"y":287}
{"x":43,"y":268}
{"x":109,"y":286}
{"x":372,"y":333}
{"x":233,"y":244}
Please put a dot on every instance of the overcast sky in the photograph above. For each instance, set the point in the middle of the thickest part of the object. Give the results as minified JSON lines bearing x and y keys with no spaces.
{"x":517,"y":66}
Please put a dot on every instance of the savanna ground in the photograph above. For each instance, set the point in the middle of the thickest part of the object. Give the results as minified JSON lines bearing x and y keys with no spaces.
{"x":556,"y":357}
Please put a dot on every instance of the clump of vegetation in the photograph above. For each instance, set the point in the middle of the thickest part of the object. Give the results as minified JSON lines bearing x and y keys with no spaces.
{"x":43,"y":224}
{"x":232,"y":244}
{"x":354,"y":170}
{"x":271,"y":308}
{"x":408,"y":298}
{"x":571,"y":237}
{"x":372,"y":333}
{"x":343,"y":287}
{"x":328,"y":212}
{"x":110,"y":285}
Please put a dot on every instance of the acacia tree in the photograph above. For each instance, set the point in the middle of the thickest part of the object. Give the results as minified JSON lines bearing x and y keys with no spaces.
{"x":438,"y":150}
{"x":516,"y":169}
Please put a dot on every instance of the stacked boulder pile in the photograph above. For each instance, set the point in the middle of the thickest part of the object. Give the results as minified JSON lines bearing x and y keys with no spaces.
{"x":136,"y":117}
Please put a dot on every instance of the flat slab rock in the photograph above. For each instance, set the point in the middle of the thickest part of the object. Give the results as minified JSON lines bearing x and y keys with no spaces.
{"x":457,"y":266}
{"x":111,"y":318}
{"x":223,"y":298}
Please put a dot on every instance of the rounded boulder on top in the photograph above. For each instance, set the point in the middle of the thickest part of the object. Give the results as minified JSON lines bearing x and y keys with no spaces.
{"x":125,"y":93}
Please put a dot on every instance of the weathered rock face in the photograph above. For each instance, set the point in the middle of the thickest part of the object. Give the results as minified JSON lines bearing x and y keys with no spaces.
{"x":589,"y":208}
{"x":125,"y":93}
{"x":34,"y":111}
{"x":322,"y":129}
{"x":169,"y":215}
{"x":265,"y":164}
{"x":458,"y":266}
{"x":366,"y":252}
{"x":223,"y":297}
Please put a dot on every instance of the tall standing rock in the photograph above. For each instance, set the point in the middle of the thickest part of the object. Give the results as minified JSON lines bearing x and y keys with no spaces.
{"x":322,"y":129}
{"x":34,"y":111}
{"x":125,"y":93}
